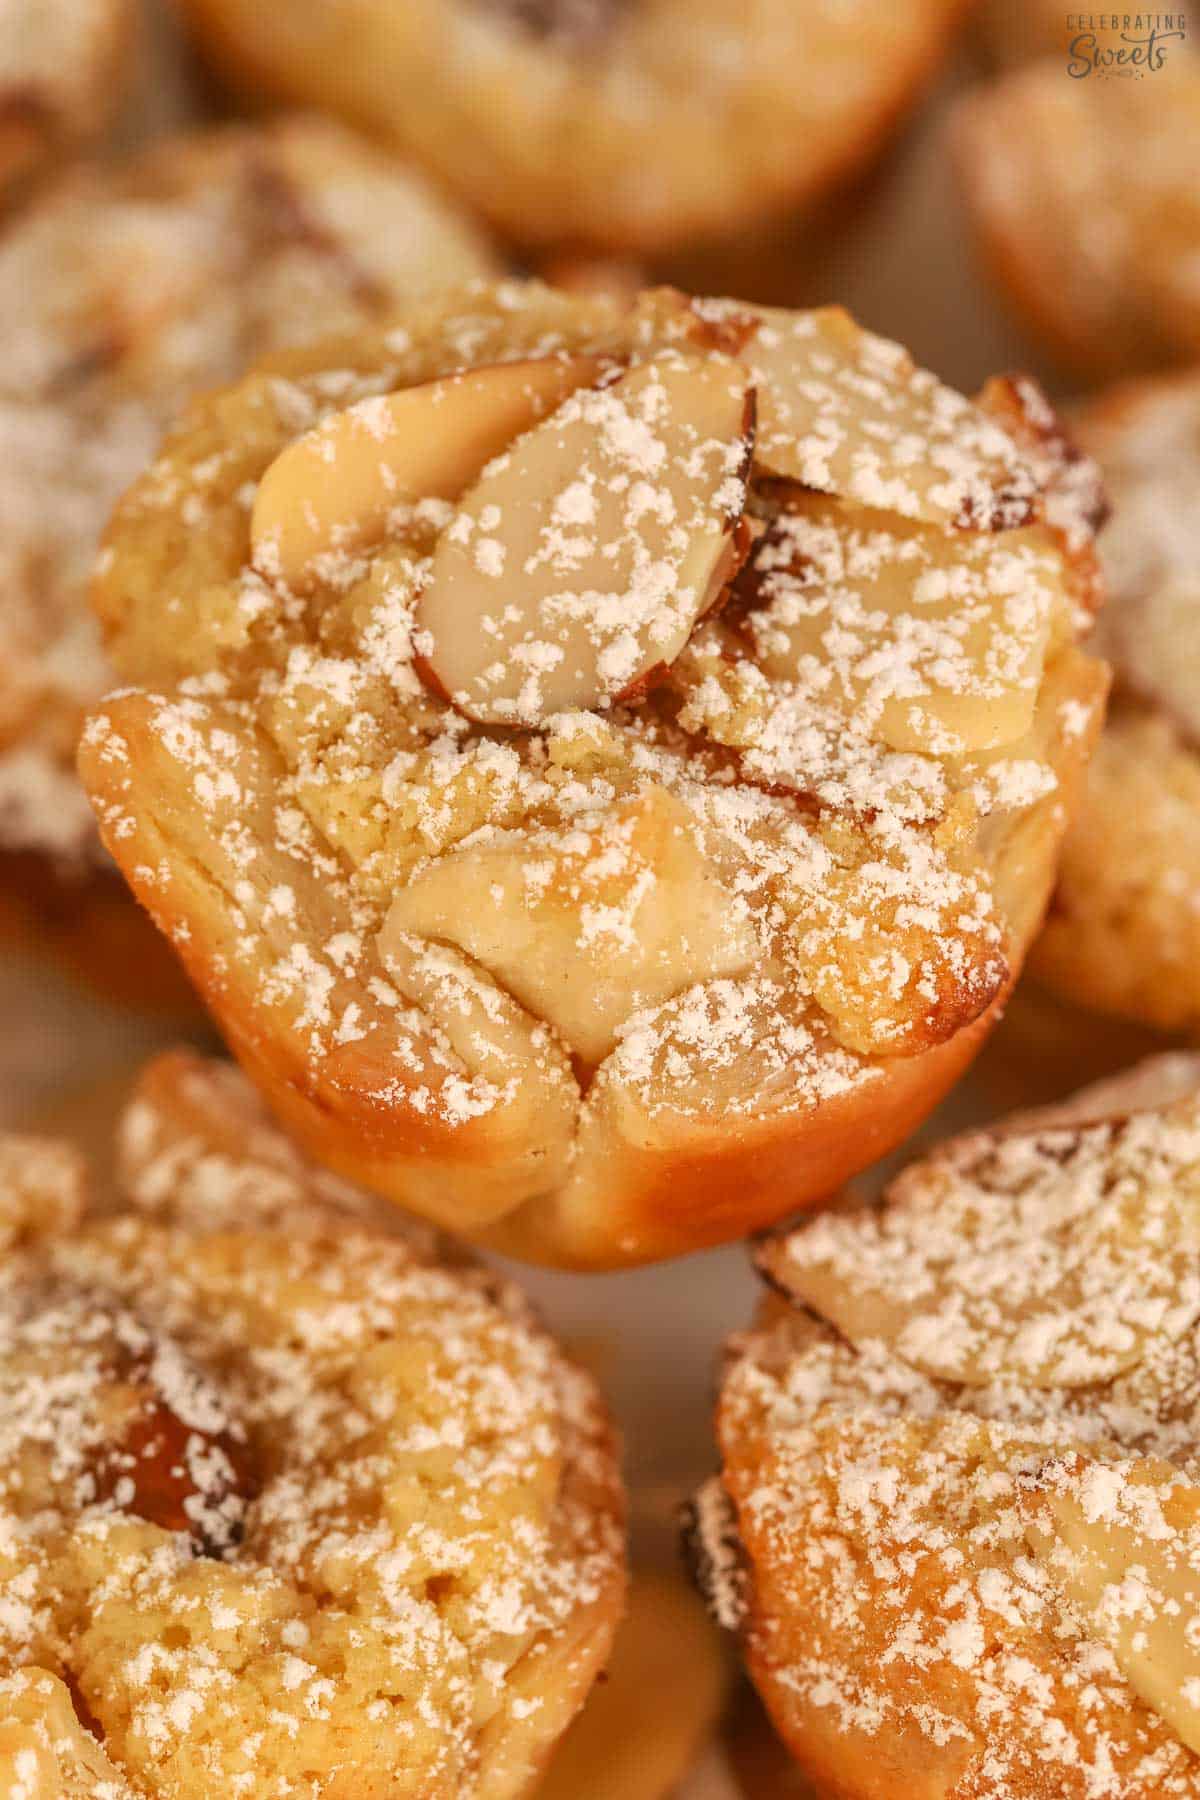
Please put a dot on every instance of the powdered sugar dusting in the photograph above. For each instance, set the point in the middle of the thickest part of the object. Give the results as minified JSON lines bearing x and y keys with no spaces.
{"x":929,"y":1457}
{"x":286,"y":1509}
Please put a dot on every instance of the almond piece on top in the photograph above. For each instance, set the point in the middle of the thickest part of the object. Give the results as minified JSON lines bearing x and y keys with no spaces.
{"x":941,"y":638}
{"x":1052,"y":1257}
{"x":657,"y":918}
{"x":846,"y":412}
{"x":584,"y":557}
{"x":332,"y":490}
{"x":1123,"y":1543}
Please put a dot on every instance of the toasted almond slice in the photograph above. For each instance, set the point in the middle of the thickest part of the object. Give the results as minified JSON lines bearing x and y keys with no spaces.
{"x":1054,"y":1257}
{"x":940,"y":638}
{"x":846,"y":412}
{"x":586,"y":926}
{"x":333,"y":490}
{"x":1123,"y":1543}
{"x":642,"y":1728}
{"x":584,"y":557}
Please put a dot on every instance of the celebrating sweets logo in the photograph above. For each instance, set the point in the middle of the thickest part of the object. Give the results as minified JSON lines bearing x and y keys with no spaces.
{"x":1124,"y":44}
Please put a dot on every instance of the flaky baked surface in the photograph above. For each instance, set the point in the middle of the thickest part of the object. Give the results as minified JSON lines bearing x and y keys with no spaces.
{"x":625,"y":126}
{"x":1082,"y":196}
{"x":603,"y":849}
{"x":961,"y":1453}
{"x":1122,"y":935}
{"x":122,"y":293}
{"x":290,"y":1507}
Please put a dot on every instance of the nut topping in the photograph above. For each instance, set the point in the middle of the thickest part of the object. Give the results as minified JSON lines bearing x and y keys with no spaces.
{"x":178,"y":1476}
{"x":1052,"y":1257}
{"x":1123,"y":1543}
{"x":846,"y":412}
{"x":656,"y":919}
{"x":585,"y":556}
{"x":941,"y":641}
{"x":332,"y":491}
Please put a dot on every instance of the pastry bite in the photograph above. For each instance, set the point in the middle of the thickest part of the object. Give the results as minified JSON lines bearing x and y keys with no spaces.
{"x":621,"y":125}
{"x":289,"y":1506}
{"x":62,"y":70}
{"x":600,"y":764}
{"x":122,"y":293}
{"x":1123,"y":932}
{"x":956,"y":1527}
{"x":1083,"y":197}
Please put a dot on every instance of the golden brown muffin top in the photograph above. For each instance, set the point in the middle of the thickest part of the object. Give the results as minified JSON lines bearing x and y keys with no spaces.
{"x":720,"y":648}
{"x":964,"y":1449}
{"x":287,"y":1506}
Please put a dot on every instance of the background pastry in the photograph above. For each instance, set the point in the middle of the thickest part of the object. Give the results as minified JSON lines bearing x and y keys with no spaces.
{"x":62,"y":64}
{"x":961,"y":1449}
{"x":1017,"y":31}
{"x":1083,"y":196}
{"x":754,"y":877}
{"x":1123,"y":932}
{"x":122,"y":293}
{"x":302,"y":1509}
{"x":628,"y":125}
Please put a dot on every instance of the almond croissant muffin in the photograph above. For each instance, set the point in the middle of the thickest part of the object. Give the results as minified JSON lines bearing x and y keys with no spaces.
{"x":62,"y":68}
{"x":623,"y":125}
{"x":601,"y":764}
{"x":288,"y":1508}
{"x":958,"y":1527}
{"x":121,"y":294}
{"x":1084,"y":197}
{"x":1123,"y":934}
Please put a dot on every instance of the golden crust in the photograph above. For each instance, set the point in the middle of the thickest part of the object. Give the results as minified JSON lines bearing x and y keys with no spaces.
{"x":926,"y":1382}
{"x":420,"y":1604}
{"x":735,"y":943}
{"x":593,"y":123}
{"x":1082,"y":197}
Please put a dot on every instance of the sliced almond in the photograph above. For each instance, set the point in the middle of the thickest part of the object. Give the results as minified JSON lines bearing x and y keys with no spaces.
{"x":496,"y":1040}
{"x":1055,"y":1258}
{"x":584,"y":926}
{"x":585,"y":556}
{"x":642,"y":1728}
{"x":333,"y":490}
{"x":938,"y":638}
{"x":849,"y":413}
{"x":1122,"y":1541}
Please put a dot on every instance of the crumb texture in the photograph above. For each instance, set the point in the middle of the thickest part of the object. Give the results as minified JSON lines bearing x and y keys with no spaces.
{"x":289,"y":1506}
